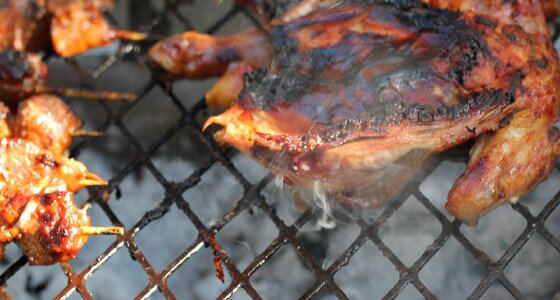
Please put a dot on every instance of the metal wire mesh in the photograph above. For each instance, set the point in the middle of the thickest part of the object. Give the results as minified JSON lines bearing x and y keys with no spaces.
{"x":253,"y":199}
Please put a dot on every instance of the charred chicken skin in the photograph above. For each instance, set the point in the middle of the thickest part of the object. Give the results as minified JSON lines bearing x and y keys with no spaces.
{"x":36,"y":185}
{"x":352,"y":91}
{"x":70,"y":27}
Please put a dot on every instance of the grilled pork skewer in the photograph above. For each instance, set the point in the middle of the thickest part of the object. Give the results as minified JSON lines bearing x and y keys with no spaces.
{"x":70,"y":27}
{"x":355,"y":87}
{"x":36,"y":187}
{"x":23,"y":75}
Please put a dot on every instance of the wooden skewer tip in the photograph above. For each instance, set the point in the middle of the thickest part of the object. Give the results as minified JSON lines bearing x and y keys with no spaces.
{"x":90,"y":133}
{"x":92,"y":230}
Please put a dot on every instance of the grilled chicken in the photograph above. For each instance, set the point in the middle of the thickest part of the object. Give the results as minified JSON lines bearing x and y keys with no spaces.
{"x":70,"y":27}
{"x":354,"y":90}
{"x":36,"y":184}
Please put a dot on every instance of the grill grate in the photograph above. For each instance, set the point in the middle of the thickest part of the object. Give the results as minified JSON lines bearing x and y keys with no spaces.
{"x":253,"y":199}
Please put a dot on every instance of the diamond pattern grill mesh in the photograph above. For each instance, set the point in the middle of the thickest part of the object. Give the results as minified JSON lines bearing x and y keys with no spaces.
{"x":241,"y":277}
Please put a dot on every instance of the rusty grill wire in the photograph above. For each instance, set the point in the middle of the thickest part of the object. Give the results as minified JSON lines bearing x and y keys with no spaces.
{"x":253,"y":199}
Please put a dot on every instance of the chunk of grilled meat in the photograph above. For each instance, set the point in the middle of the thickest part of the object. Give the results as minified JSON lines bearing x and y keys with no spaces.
{"x":21,"y":75}
{"x":36,"y":185}
{"x":70,"y":27}
{"x":195,"y":55}
{"x":36,"y":207}
{"x":24,"y":74}
{"x":47,"y":122}
{"x":354,"y":87}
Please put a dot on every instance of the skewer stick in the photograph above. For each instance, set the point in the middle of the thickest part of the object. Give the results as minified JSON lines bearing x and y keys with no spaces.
{"x":91,"y":182}
{"x":130,"y":35}
{"x":90,"y":133}
{"x":89,"y":95}
{"x":91,"y":230}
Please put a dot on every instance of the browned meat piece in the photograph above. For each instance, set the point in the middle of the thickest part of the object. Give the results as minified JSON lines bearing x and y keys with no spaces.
{"x":356,"y":86}
{"x":47,"y":122}
{"x":36,"y":185}
{"x":24,"y":25}
{"x":69,"y":26}
{"x":36,"y":210}
{"x":196,"y":55}
{"x":23,"y":75}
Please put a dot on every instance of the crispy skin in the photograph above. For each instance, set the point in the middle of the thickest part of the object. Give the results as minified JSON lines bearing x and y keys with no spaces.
{"x":355,"y":87}
{"x":46,"y":121}
{"x":70,"y":27}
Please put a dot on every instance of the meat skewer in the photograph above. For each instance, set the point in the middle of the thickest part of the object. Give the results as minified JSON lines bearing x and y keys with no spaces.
{"x":350,"y":88}
{"x":23,"y":75}
{"x":69,"y":27}
{"x":37,"y":183}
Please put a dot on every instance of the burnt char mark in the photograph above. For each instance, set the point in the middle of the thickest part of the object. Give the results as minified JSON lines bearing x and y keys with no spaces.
{"x":48,"y":199}
{"x":397,"y":111}
{"x":285,"y":48}
{"x":14,"y":65}
{"x":423,"y":17}
{"x":505,"y":121}
{"x":47,"y":161}
{"x":264,"y":91}
{"x":541,"y":63}
{"x":485,"y":21}
{"x":339,"y":131}
{"x":228,"y":55}
{"x":403,"y":5}
{"x":510,"y":36}
{"x":470,"y":48}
